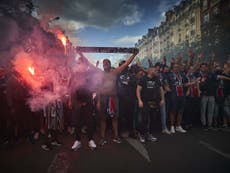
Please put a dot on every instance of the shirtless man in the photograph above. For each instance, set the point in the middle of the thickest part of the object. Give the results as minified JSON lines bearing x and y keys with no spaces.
{"x":108,"y":94}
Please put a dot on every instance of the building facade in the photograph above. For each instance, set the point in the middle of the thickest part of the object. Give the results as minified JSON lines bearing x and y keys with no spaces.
{"x":215,"y":27}
{"x":180,"y":30}
{"x":149,"y":45}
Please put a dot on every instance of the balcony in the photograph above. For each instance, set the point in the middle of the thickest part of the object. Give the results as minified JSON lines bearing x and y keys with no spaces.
{"x":192,"y":20}
{"x":193,"y":32}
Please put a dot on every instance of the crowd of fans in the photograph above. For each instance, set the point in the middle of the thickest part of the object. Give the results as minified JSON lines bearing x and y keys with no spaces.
{"x":169,"y":97}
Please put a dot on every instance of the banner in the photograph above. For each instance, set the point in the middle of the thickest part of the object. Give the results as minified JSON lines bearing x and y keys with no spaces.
{"x":106,"y":49}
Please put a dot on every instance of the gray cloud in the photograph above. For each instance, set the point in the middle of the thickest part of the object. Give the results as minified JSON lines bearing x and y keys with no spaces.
{"x":97,"y":13}
{"x":128,"y":39}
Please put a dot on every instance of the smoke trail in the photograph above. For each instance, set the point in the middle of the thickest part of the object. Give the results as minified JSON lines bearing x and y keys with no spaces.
{"x":46,"y":65}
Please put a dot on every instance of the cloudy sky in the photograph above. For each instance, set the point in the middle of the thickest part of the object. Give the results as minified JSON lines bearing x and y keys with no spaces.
{"x":106,"y":22}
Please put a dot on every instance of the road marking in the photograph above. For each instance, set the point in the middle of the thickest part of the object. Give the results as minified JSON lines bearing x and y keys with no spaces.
{"x":139,"y":147}
{"x":60,"y":164}
{"x":210,"y":147}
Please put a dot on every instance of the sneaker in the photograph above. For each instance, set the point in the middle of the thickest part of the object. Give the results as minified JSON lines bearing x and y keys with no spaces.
{"x":36,"y":136}
{"x":209,"y":128}
{"x":151,"y":138}
{"x":180,"y":129}
{"x":84,"y":130}
{"x":71,"y":130}
{"x":166,"y":131}
{"x":117,"y":140}
{"x":31,"y":139}
{"x":76,"y":145}
{"x":141,"y":138}
{"x":56,"y":143}
{"x":49,"y":135}
{"x":172,"y":130}
{"x":102,"y":142}
{"x":92,"y":144}
{"x":46,"y":147}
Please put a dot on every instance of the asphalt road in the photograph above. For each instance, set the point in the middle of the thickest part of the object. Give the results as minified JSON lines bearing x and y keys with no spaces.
{"x":196,"y":151}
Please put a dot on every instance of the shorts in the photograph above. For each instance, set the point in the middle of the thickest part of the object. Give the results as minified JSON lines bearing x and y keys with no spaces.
{"x":177,"y":104}
{"x":103,"y":104}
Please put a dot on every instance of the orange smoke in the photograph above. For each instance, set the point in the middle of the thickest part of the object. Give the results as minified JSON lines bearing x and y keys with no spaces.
{"x":24,"y":65}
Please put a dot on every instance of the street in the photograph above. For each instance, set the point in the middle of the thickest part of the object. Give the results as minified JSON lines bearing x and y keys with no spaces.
{"x":195,"y":151}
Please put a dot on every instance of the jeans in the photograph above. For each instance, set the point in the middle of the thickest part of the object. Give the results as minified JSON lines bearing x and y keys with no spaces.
{"x":227,"y":107}
{"x":163,"y":116}
{"x":148,"y":118}
{"x":207,"y":102}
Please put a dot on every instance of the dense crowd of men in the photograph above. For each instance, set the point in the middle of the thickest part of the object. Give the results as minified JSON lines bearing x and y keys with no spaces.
{"x":167,"y":96}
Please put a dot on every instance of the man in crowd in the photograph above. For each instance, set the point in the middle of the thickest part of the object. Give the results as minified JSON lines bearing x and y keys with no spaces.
{"x":82,"y":102}
{"x":108,"y":100}
{"x":177,"y":83}
{"x":126,"y":83}
{"x":150,"y":97}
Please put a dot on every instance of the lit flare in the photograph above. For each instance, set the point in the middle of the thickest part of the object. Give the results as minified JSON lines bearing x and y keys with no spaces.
{"x":63,"y":39}
{"x":31,"y":70}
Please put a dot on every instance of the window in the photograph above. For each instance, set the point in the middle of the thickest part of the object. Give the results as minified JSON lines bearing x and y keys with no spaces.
{"x":213,"y":2}
{"x":193,"y":32}
{"x":193,"y":14}
{"x":187,"y":33}
{"x":179,"y":40}
{"x":216,"y":11}
{"x":192,"y":20}
{"x":217,"y":28}
{"x":205,"y":4}
{"x":217,"y":41}
{"x":206,"y":18}
{"x":186,"y":23}
{"x":193,"y":27}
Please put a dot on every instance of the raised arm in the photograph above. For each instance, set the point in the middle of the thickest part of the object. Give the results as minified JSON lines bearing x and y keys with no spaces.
{"x":198,"y":62}
{"x":119,"y":69}
{"x":211,"y":63}
{"x":150,"y":63}
{"x":190,"y":59}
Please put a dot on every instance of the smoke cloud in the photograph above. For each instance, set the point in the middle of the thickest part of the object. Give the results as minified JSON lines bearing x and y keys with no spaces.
{"x":47,"y":66}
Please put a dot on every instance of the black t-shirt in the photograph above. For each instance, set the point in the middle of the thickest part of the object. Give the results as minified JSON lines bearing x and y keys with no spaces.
{"x":209,"y":86}
{"x":226,"y":86}
{"x":127,"y":84}
{"x":150,"y":89}
{"x":123,"y":83}
{"x":81,"y":95}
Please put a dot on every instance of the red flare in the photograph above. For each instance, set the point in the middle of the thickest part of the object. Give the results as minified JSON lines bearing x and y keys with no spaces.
{"x":63,"y":39}
{"x":31,"y":70}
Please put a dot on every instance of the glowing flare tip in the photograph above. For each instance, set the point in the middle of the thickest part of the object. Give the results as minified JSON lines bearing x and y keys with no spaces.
{"x":63,"y":40}
{"x":31,"y":70}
